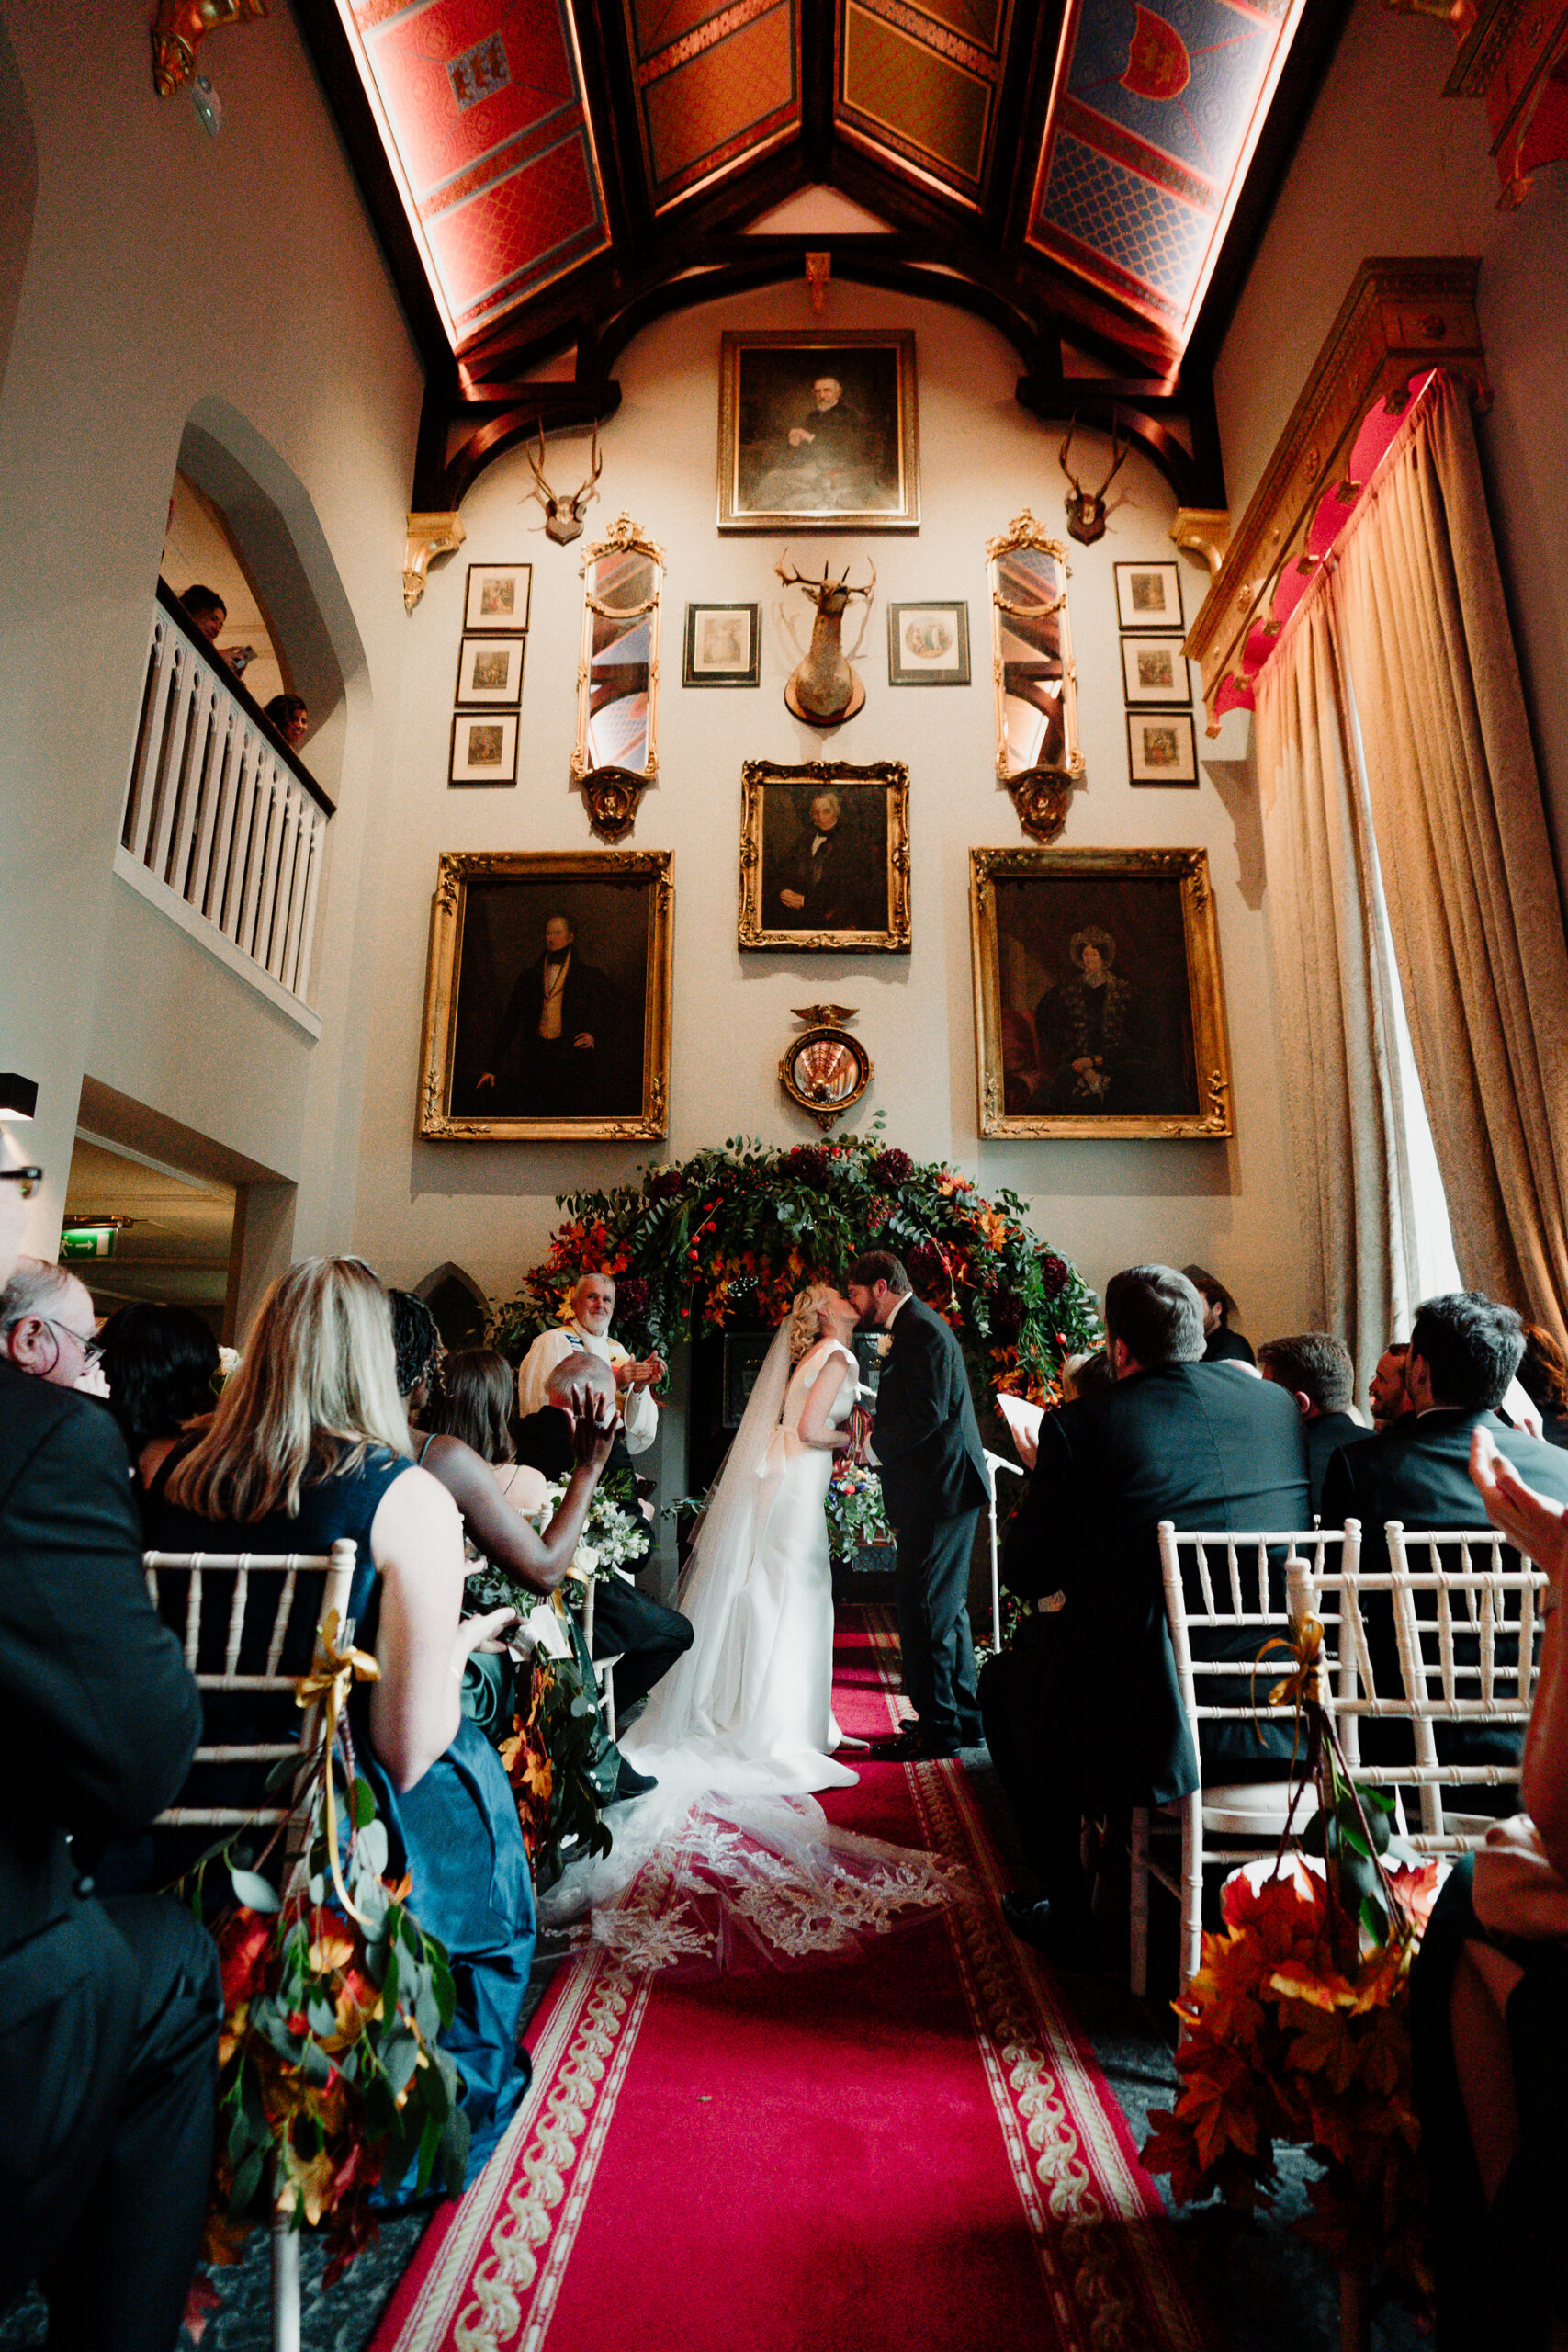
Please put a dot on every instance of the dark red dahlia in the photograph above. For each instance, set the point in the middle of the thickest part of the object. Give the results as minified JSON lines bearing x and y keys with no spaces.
{"x":808,"y":1161}
{"x":1054,"y":1274}
{"x":927,"y":1267}
{"x":631,"y":1296}
{"x":665,"y":1185}
{"x":1007,"y":1317}
{"x":892,"y":1168}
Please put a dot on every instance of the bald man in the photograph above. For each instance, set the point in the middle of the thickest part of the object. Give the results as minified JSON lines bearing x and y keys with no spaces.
{"x":587,"y":1333}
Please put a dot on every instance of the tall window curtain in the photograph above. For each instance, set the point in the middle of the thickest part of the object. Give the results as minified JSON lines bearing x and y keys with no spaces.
{"x":1335,"y":990}
{"x":1471,"y":889}
{"x":1407,"y":633}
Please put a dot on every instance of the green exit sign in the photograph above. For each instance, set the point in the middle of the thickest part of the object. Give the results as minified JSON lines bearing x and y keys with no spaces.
{"x":87,"y":1241}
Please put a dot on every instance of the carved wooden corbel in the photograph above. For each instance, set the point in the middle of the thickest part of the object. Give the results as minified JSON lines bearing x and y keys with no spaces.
{"x":178,"y":31}
{"x":429,"y":536}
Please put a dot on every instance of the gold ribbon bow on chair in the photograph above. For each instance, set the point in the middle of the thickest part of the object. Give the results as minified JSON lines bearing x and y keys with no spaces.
{"x":1299,"y":1690}
{"x":333,"y":1675}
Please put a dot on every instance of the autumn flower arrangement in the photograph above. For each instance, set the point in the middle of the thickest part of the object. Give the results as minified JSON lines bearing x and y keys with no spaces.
{"x":729,"y":1236}
{"x":331,"y":2076}
{"x":1295,"y":2026}
{"x":856,"y":1519}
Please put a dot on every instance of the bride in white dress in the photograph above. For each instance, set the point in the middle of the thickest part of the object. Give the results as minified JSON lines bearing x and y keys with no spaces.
{"x":729,"y":1860}
{"x":750,"y":1705}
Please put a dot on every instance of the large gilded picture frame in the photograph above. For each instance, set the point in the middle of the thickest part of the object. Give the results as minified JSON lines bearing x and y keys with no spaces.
{"x":547,"y":1004}
{"x":825,"y":856}
{"x":818,"y":431}
{"x":1098,"y":1009}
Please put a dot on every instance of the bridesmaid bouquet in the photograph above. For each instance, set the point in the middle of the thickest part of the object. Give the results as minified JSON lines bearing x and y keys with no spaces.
{"x":856,"y":1521}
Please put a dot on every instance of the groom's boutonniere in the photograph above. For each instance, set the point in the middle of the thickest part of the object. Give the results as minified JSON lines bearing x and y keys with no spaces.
{"x":885,"y":1343}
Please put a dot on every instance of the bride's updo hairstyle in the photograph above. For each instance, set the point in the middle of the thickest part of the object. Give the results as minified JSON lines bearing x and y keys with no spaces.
{"x":806,"y":1319}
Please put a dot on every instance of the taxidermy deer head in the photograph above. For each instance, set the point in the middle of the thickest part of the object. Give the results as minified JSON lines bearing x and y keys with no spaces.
{"x":1085,"y":508}
{"x":824,"y":689}
{"x":564,"y":517}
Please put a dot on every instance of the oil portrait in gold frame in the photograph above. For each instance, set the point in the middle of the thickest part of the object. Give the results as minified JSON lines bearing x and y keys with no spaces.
{"x":1097,"y":1004}
{"x":546,"y":1007}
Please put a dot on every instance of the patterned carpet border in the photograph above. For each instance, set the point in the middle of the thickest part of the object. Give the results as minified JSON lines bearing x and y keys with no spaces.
{"x":1100,"y":2229}
{"x":489,"y":2272}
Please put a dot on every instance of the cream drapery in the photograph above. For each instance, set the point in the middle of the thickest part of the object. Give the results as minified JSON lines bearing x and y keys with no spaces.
{"x":1335,"y":993}
{"x":1412,"y":609}
{"x":1468,"y":872}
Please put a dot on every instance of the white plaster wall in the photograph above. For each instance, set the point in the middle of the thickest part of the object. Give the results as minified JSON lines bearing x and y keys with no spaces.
{"x":166,"y":269}
{"x":1388,"y":165}
{"x":982,"y":460}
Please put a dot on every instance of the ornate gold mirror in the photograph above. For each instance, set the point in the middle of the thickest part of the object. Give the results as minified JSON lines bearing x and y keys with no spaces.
{"x":617,"y":679}
{"x":1037,"y":715}
{"x":826,"y":1071}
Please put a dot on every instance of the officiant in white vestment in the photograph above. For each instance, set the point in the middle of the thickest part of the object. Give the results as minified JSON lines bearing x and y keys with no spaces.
{"x":592,"y":1307}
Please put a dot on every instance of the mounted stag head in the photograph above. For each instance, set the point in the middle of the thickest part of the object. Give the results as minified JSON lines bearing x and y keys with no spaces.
{"x":564,"y":517}
{"x":824,"y":690}
{"x":1085,"y":508}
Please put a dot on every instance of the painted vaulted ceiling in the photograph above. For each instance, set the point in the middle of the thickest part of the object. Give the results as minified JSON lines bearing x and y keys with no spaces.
{"x":1089,"y":153}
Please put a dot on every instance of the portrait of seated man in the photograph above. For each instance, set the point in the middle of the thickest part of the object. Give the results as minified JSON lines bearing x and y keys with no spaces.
{"x":823,"y":442}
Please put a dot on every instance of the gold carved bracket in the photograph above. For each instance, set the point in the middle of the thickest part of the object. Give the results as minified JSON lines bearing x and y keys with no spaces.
{"x":178,"y":31}
{"x":429,"y":536}
{"x":1400,"y":319}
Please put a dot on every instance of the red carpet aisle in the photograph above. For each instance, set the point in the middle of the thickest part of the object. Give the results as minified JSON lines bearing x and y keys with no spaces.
{"x":914,"y":2150}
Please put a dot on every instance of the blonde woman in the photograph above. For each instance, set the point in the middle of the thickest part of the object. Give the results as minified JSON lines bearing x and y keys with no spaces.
{"x":310,"y":1443}
{"x":748,"y":1709}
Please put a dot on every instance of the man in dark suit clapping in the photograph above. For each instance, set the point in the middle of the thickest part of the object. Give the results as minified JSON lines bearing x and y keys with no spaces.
{"x":934,"y":1483}
{"x":108,"y":2010}
{"x":1084,"y":1711}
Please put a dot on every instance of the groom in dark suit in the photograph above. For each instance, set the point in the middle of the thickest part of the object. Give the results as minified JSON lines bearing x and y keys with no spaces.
{"x":935,"y":1485}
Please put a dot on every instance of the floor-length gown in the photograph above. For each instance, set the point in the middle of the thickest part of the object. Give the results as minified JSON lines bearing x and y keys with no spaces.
{"x":751,"y":1702}
{"x":746,"y":1867}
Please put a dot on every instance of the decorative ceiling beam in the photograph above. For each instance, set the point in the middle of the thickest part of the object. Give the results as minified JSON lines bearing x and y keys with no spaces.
{"x":1400,"y":322}
{"x":818,"y":80}
{"x":1035,"y":40}
{"x":609,"y":83}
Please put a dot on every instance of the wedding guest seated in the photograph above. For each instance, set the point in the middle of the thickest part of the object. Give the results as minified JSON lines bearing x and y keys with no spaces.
{"x":474,"y":1405}
{"x":1084,"y":1712}
{"x":47,"y":1323}
{"x":587,"y":1333}
{"x":1320,"y":1373}
{"x":1464,"y":1350}
{"x":1543,"y":1376}
{"x":1220,"y":1342}
{"x":161,"y":1364}
{"x":1386,"y":1393}
{"x":1085,"y":1376}
{"x":308,"y":1443}
{"x":108,"y":2009}
{"x":1489,"y":2006}
{"x":491,"y":1513}
{"x":629,"y":1624}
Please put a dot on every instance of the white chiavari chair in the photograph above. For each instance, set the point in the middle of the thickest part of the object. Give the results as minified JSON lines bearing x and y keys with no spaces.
{"x":1234,"y":1586}
{"x":256,"y":1593}
{"x":1466,"y":1621}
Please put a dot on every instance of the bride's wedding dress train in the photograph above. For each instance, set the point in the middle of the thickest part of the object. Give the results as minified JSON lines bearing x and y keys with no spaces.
{"x":729,"y":1855}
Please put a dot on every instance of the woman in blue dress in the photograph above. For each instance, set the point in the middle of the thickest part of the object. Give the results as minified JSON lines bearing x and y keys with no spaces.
{"x":309,"y":1443}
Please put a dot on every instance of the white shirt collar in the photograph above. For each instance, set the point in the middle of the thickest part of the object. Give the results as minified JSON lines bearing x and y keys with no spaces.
{"x":898,"y":1305}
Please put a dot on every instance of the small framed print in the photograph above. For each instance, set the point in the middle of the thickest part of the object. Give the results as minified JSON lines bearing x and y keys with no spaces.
{"x":1154,"y":669}
{"x":724,"y":645}
{"x":1148,"y":595}
{"x":498,"y":596}
{"x":928,"y":645}
{"x":1162,"y":747}
{"x":484,"y":749}
{"x":489,"y":672}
